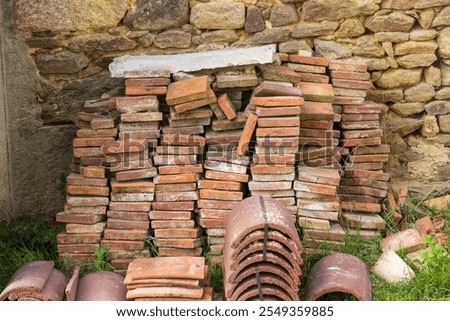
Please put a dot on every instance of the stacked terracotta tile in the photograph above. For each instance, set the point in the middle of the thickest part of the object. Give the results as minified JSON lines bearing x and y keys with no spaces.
{"x":223,"y":186}
{"x":364,"y":184}
{"x":87,"y":187}
{"x":168,"y":279}
{"x":172,"y":217}
{"x":262,"y":252}
{"x":132,"y":189}
{"x":318,"y":206}
{"x":277,"y":102}
{"x":318,"y":139}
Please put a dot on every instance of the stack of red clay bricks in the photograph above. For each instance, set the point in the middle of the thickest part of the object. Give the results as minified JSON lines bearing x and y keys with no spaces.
{"x":364,"y":184}
{"x":318,"y":206}
{"x":87,"y":190}
{"x":277,"y":103}
{"x":172,"y":218}
{"x":168,"y":279}
{"x":318,"y":138}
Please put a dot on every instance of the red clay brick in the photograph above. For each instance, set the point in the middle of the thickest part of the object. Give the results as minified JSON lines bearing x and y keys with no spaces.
{"x":269,"y":186}
{"x":214,"y":213}
{"x":131,"y":165}
{"x":271,"y":169}
{"x":369,"y":150}
{"x":318,"y":175}
{"x":226,"y":124}
{"x":170,"y":215}
{"x":184,"y":107}
{"x":180,"y":243}
{"x":77,"y":248}
{"x":85,"y":229}
{"x":102,"y":123}
{"x":212,"y":223}
{"x":136,"y":174}
{"x":367,"y":108}
{"x":87,"y":152}
{"x":277,"y":101}
{"x":279,"y":73}
{"x":359,"y":117}
{"x":203,"y":112}
{"x":189,"y":130}
{"x":183,"y":140}
{"x":91,"y":133}
{"x":359,"y":198}
{"x":93,"y":172}
{"x":130,"y":206}
{"x":141,"y":117}
{"x":187,"y":90}
{"x":178,"y":233}
{"x":69,"y":209}
{"x":345,"y":100}
{"x":130,"y":216}
{"x":274,"y":178}
{"x":173,"y":170}
{"x":314,"y":78}
{"x":360,"y":125}
{"x":361,"y":207}
{"x":361,"y":142}
{"x":87,"y":190}
{"x":220,"y":195}
{"x":277,"y":131}
{"x":137,"y":104}
{"x":66,"y":238}
{"x":368,"y":158}
{"x":176,"y":252}
{"x":124,"y":245}
{"x":317,"y":111}
{"x":132,"y":197}
{"x":124,"y":146}
{"x":425,"y":226}
{"x":362,"y":190}
{"x":317,"y":124}
{"x":215,"y":204}
{"x":279,"y":122}
{"x":147,"y":82}
{"x":361,"y":181}
{"x":91,"y":142}
{"x":304,"y":68}
{"x":86,"y":201}
{"x":229,"y":156}
{"x":224,"y":176}
{"x":277,"y":111}
{"x":347,"y":66}
{"x":227,"y":106}
{"x":150,"y":135}
{"x":220,"y":185}
{"x":315,"y":188}
{"x":336,"y":74}
{"x":366,"y":166}
{"x":352,"y":84}
{"x":163,"y":160}
{"x":362,"y":133}
{"x":150,"y":90}
{"x":288,"y":159}
{"x":117,"y":224}
{"x":176,"y":187}
{"x":317,"y":61}
{"x":176,"y":179}
{"x":172,"y":224}
{"x":317,"y":92}
{"x":77,"y":179}
{"x":80,"y":218}
{"x":170,"y":206}
{"x":132,"y":187}
{"x":224,"y":167}
{"x":130,"y":235}
{"x":177,"y":150}
{"x":190,"y":122}
{"x":349,"y":92}
{"x":176,"y":197}
{"x":272,"y":88}
{"x":277,"y":141}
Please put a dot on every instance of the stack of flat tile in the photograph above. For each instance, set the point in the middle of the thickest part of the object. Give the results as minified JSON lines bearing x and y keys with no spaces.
{"x":318,"y":139}
{"x":318,"y":206}
{"x":364,"y":184}
{"x":168,"y":279}
{"x":223,"y":186}
{"x":278,"y":104}
{"x":148,"y":82}
{"x":262,"y":252}
{"x":132,"y":189}
{"x":84,"y":213}
{"x":178,"y":158}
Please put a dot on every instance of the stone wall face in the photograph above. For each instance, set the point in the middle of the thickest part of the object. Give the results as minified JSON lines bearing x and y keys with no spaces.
{"x":405,"y":43}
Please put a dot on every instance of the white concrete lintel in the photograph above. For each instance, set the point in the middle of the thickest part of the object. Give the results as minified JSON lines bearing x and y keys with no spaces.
{"x":195,"y":61}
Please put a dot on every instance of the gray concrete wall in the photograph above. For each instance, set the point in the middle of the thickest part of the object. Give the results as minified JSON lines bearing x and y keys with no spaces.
{"x":33,"y":157}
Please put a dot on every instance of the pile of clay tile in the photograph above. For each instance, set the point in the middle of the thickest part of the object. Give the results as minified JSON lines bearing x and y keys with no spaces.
{"x":168,"y":279}
{"x":87,"y":189}
{"x":277,"y":103}
{"x":262,"y":253}
{"x":36,"y":281}
{"x":364,"y":184}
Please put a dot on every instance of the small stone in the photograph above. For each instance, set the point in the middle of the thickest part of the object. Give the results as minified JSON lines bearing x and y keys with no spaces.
{"x":444,"y":123}
{"x":426,"y":18}
{"x":415,"y":47}
{"x":394,"y":78}
{"x":408,"y":109}
{"x":64,"y":62}
{"x":173,"y":39}
{"x":350,"y":28}
{"x":392,"y":268}
{"x":394,"y":21}
{"x":445,"y":74}
{"x":440,"y":107}
{"x":409,"y":240}
{"x":400,"y":125}
{"x":430,"y":126}
{"x":433,"y":76}
{"x":293,"y":46}
{"x":398,"y":4}
{"x":417,"y":60}
{"x":157,"y":15}
{"x":442,"y":18}
{"x":420,"y":93}
{"x":423,"y":35}
{"x":444,"y":93}
{"x":314,"y":29}
{"x":331,"y":50}
{"x":367,"y":46}
{"x":283,"y":14}
{"x":218,"y":15}
{"x":392,"y":36}
{"x":318,"y":10}
{"x":254,"y":21}
{"x":103,"y":42}
{"x":373,"y":63}
{"x":227,"y":36}
{"x":444,"y":43}
{"x":147,"y":40}
{"x":385,"y":95}
{"x":269,"y":36}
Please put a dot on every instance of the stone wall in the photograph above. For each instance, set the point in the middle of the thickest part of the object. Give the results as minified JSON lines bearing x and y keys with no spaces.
{"x":406,"y":44}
